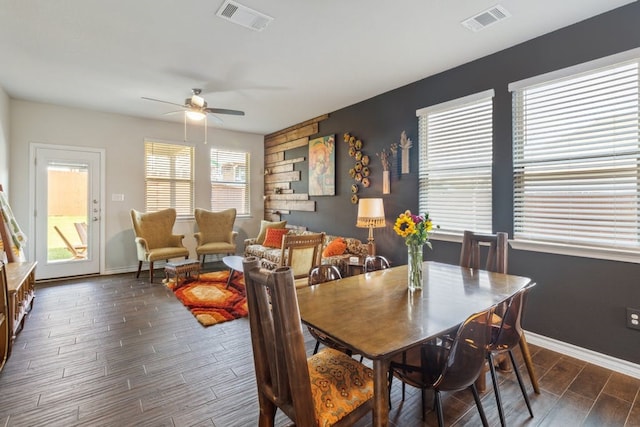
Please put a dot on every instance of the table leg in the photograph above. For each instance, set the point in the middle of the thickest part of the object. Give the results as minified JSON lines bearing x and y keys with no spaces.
{"x":380,"y":393}
{"x":231,"y":273}
{"x":528,"y":361}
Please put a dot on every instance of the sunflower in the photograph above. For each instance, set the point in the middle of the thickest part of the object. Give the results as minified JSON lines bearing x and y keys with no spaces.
{"x":404,"y":225}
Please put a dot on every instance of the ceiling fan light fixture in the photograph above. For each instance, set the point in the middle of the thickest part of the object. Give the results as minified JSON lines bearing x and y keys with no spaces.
{"x":195,"y":115}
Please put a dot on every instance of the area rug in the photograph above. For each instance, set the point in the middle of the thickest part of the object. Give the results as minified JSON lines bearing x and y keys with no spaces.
{"x":209,"y":300}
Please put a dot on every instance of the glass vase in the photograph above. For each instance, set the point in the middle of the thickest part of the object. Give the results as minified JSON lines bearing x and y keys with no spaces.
{"x":414,"y":267}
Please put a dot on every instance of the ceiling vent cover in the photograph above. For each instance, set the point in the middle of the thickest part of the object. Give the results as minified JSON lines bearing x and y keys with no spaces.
{"x":242,"y":15}
{"x":486,"y":18}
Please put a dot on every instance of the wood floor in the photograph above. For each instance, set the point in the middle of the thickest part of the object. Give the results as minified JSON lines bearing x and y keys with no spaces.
{"x":117,"y":351}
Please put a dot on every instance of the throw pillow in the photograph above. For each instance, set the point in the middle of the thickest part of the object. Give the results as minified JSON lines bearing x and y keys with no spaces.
{"x":336,"y":247}
{"x":264,"y":225}
{"x":273,"y":237}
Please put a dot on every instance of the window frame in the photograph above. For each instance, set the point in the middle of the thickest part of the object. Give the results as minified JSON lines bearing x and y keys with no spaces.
{"x":244,"y":183}
{"x":592,"y":67}
{"x":474,"y":100}
{"x":173,"y":179}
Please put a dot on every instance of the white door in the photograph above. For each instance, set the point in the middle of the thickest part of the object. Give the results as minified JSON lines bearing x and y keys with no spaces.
{"x":67,"y":211}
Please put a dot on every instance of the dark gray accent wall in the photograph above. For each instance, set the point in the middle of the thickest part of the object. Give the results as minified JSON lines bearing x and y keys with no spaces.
{"x":577,"y":300}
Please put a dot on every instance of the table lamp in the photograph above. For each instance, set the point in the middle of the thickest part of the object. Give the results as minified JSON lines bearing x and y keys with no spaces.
{"x":371,"y":215}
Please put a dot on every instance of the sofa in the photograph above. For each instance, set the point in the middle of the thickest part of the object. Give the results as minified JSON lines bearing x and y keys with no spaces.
{"x":270,"y":256}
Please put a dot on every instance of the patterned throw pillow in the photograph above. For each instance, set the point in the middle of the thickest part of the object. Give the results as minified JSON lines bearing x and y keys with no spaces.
{"x":336,"y":247}
{"x":264,"y":225}
{"x":273,"y":237}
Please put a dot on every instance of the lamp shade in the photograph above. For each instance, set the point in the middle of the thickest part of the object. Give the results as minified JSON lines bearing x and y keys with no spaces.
{"x":370,"y":213}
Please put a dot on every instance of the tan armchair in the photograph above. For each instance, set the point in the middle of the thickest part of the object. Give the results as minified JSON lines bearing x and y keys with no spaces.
{"x":155,"y":239}
{"x":215,"y":235}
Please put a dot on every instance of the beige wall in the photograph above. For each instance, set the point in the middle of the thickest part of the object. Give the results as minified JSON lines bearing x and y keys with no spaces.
{"x":4,"y":140}
{"x":122,"y":138}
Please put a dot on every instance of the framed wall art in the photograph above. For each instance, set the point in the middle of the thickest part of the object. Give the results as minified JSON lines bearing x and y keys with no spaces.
{"x":322,"y":166}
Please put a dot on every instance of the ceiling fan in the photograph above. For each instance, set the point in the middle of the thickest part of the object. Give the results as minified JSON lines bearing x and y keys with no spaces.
{"x":196,"y":108}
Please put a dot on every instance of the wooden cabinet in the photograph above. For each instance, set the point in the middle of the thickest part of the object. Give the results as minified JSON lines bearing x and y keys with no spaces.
{"x":20,"y":292}
{"x":4,"y":317}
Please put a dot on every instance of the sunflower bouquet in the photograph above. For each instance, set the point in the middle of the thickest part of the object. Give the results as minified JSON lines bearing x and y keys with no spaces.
{"x":414,"y":228}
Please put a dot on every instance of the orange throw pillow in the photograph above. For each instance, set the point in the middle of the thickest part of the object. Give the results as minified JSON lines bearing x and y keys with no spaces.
{"x":336,"y":247}
{"x":273,"y":237}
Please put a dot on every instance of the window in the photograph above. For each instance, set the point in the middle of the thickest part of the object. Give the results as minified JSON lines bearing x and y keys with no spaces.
{"x":230,"y":181}
{"x":169,"y":177}
{"x":456,"y":156}
{"x":576,"y":160}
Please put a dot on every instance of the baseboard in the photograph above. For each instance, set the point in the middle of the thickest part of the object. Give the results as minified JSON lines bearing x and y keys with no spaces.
{"x":609,"y":362}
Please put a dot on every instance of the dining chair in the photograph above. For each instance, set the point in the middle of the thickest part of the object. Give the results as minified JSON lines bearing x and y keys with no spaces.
{"x":497,"y":261}
{"x":301,"y":252}
{"x":327,"y":388}
{"x":447,"y":365}
{"x":215,"y":234}
{"x":504,"y":337}
{"x":322,"y":274}
{"x":375,"y":262}
{"x":154,"y":238}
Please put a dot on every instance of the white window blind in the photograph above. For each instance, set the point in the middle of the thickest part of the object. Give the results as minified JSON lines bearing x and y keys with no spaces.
{"x":169,"y":177}
{"x":576,"y":160}
{"x":456,"y":156}
{"x":230,"y":181}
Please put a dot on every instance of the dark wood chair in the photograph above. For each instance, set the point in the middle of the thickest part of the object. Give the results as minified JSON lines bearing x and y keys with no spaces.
{"x":497,"y":261}
{"x":447,"y":365}
{"x":328,"y":388}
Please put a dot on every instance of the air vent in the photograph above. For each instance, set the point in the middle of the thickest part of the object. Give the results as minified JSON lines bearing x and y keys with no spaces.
{"x":242,"y":15}
{"x":486,"y":18}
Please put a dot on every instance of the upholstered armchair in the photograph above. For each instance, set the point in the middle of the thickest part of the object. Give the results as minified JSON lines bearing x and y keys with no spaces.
{"x":155,"y":239}
{"x":215,"y":235}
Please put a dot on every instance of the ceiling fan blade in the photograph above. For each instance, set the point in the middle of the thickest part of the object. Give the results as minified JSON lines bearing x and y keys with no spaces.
{"x":165,"y":102}
{"x":224,"y":111}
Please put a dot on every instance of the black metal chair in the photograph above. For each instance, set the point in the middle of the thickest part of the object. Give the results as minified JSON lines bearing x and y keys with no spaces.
{"x":504,"y":337}
{"x":447,"y":365}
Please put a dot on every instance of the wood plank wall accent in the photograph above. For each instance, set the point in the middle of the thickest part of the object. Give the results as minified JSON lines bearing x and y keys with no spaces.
{"x":279,"y":198}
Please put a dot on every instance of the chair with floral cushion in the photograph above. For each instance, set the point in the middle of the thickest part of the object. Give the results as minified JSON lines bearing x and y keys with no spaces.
{"x":326,"y":389}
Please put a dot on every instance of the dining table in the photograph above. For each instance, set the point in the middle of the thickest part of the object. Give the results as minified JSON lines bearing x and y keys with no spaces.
{"x":376,"y":315}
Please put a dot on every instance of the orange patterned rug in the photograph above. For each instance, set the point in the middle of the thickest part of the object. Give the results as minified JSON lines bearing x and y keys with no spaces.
{"x":209,"y":300}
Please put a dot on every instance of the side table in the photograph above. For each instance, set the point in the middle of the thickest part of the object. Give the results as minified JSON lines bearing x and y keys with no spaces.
{"x":355,"y":267}
{"x":184,"y":268}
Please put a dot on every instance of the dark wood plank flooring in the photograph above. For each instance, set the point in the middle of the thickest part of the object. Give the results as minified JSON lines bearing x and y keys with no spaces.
{"x":118,"y":351}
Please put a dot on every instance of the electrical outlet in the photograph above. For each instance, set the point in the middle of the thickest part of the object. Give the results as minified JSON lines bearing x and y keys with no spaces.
{"x":633,"y":318}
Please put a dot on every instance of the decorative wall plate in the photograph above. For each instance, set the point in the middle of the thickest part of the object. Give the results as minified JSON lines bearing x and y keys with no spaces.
{"x":352,"y":173}
{"x":358,"y":155}
{"x":365,"y":160}
{"x":358,"y":167}
{"x":358,"y":177}
{"x":358,"y":145}
{"x":366,"y":182}
{"x":365,"y":171}
{"x":354,"y":188}
{"x":354,"y":199}
{"x":352,"y":151}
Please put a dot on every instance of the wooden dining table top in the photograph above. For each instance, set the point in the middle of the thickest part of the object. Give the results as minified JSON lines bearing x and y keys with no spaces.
{"x":376,"y":315}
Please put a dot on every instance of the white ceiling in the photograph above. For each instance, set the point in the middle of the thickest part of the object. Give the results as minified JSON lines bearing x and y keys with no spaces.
{"x":314,"y":58}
